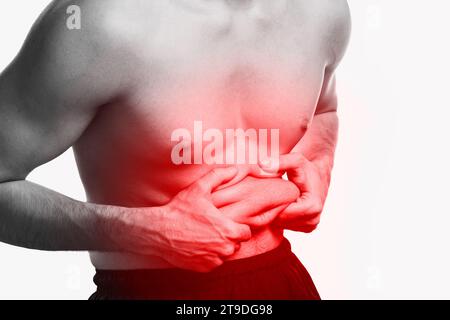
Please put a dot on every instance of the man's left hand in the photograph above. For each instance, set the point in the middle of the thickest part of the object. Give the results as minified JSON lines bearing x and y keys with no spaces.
{"x":304,"y":214}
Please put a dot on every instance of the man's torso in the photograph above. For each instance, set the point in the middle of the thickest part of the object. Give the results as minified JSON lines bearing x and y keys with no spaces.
{"x":259,"y":66}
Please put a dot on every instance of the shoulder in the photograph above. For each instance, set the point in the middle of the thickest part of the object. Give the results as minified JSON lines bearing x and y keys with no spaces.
{"x":82,"y":23}
{"x":82,"y":42}
{"x":340,"y":29}
{"x":332,"y":23}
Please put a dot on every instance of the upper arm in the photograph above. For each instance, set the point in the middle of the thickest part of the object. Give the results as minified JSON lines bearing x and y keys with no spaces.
{"x":336,"y":36}
{"x":50,"y":92}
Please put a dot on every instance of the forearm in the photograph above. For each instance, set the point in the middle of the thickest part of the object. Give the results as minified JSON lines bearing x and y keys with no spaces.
{"x":34,"y":217}
{"x":189,"y":232}
{"x":319,"y":143}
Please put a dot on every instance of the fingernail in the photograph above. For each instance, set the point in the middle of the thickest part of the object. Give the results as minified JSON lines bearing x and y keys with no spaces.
{"x":263,"y":173}
{"x":266,"y":163}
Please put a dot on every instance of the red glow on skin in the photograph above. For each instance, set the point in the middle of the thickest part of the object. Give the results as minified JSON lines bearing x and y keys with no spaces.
{"x":141,"y":159}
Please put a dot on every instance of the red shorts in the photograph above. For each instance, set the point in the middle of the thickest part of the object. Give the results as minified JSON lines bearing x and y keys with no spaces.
{"x":275,"y":275}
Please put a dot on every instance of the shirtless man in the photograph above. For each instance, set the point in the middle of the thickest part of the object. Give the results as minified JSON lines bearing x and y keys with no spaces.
{"x":117,"y":89}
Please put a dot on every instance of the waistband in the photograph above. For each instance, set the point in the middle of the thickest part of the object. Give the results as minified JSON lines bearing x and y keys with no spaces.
{"x":267,"y":260}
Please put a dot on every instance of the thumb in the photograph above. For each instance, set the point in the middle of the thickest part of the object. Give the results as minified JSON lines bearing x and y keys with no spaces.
{"x":283,"y":163}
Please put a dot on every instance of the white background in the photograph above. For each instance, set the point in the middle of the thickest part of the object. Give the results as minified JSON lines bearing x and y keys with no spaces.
{"x":385,"y":230}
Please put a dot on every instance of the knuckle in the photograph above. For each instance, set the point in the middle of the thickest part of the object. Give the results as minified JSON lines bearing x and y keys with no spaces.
{"x":200,"y":187}
{"x":230,"y":232}
{"x":237,"y":232}
{"x":317,"y":207}
{"x":246,"y":232}
{"x":228,"y":228}
{"x":228,"y":249}
{"x":261,"y":220}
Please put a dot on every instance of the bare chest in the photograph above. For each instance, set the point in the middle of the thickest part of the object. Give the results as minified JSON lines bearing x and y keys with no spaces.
{"x":223,"y":72}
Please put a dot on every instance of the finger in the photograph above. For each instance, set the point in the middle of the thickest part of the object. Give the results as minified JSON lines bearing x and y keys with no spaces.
{"x":256,"y":195}
{"x":257,"y":172}
{"x":222,"y":197}
{"x":257,"y":198}
{"x":297,"y":224}
{"x":254,"y":220}
{"x":237,"y":232}
{"x":235,"y":180}
{"x":283,"y":163}
{"x":305,"y":225}
{"x":265,"y":218}
{"x":216,"y":177}
{"x":298,"y":210}
{"x":227,"y":249}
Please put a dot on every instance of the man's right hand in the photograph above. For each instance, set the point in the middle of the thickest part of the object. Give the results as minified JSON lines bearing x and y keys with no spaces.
{"x":189,"y":232}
